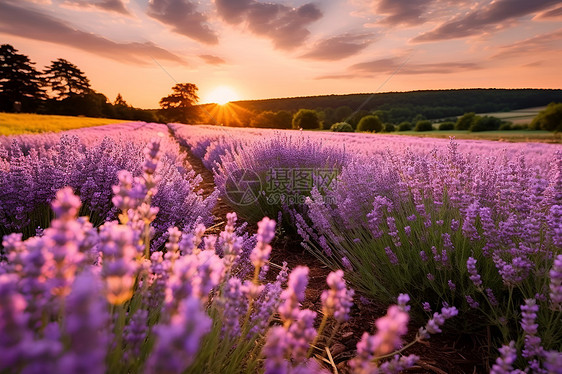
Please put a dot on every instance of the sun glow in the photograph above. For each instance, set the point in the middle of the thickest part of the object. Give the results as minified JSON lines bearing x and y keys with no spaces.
{"x":222,"y":95}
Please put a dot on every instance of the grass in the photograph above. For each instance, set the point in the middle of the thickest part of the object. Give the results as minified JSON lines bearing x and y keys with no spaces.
{"x":517,"y":117}
{"x":540,"y":136}
{"x":21,"y":123}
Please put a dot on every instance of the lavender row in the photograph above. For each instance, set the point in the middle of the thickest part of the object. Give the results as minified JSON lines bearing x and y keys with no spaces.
{"x":33,"y":168}
{"x":462,"y":223}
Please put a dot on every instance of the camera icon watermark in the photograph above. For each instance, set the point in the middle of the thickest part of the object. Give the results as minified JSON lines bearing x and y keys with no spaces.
{"x":288,"y":186}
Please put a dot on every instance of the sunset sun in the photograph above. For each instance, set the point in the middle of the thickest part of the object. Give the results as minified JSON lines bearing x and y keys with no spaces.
{"x":222,"y":95}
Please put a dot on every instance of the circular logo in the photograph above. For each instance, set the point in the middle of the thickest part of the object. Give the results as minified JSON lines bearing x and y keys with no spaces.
{"x":243,"y":187}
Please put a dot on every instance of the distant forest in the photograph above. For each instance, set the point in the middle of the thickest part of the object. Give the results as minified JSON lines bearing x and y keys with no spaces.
{"x":432,"y":104}
{"x":391,"y":107}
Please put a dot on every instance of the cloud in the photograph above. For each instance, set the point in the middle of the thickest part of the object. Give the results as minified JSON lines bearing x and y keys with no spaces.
{"x":285,"y":26}
{"x":184,"y":18}
{"x":402,"y":12}
{"x":108,"y":5}
{"x":540,"y":44}
{"x":389,"y":65}
{"x":550,"y":14}
{"x":493,"y":15}
{"x":339,"y":47}
{"x":29,"y":23}
{"x":212,"y":60}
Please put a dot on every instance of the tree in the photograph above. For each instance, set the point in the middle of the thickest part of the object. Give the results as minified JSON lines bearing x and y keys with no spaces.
{"x":485,"y":123}
{"x":65,"y":78}
{"x":549,"y":119}
{"x":19,"y":81}
{"x":179,"y":106}
{"x":423,"y":125}
{"x":370,"y":123}
{"x":120,"y":101}
{"x":465,"y":121}
{"x":306,"y":119}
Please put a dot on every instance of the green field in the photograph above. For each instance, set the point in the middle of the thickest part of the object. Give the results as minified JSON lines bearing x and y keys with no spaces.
{"x":541,"y":136}
{"x":20,"y":123}
{"x":517,"y":117}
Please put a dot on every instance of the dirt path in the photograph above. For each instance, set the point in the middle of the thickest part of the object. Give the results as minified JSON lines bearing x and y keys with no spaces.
{"x":441,"y":354}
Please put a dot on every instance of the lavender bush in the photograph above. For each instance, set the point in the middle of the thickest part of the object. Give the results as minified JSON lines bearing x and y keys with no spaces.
{"x":480,"y":234}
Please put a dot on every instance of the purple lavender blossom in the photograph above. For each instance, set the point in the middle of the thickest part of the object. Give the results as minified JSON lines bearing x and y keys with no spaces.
{"x":294,"y":294}
{"x":451,"y":285}
{"x":276,"y":346}
{"x":491,"y":297}
{"x":346,"y":264}
{"x":530,"y":328}
{"x":301,"y":333}
{"x":398,"y":364}
{"x":556,"y":284}
{"x":13,"y":332}
{"x":266,"y":232}
{"x":178,"y":341}
{"x":85,"y":323}
{"x":474,"y":276}
{"x":338,"y":300}
{"x":403,"y":300}
{"x":391,"y":256}
{"x":471,"y":302}
{"x":504,"y":363}
{"x":433,"y":326}
{"x":119,"y":265}
{"x":135,"y":333}
{"x":235,"y":306}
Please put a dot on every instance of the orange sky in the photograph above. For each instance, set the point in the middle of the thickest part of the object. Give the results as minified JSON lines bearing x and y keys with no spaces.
{"x":265,"y":49}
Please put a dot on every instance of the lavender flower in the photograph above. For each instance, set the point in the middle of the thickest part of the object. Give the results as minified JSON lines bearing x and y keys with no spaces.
{"x":504,"y":363}
{"x":13,"y":332}
{"x":491,"y":297}
{"x":390,"y":329}
{"x":391,"y":256}
{"x":404,"y":299}
{"x":276,"y":346}
{"x":433,"y":326}
{"x":451,"y":285}
{"x":556,"y":284}
{"x":338,"y":300}
{"x":530,"y":328}
{"x":266,"y":232}
{"x":234,"y":306}
{"x":474,"y":276}
{"x":471,"y":302}
{"x":178,"y":341}
{"x":118,"y":266}
{"x":135,"y":333}
{"x":84,"y":324}
{"x":293,"y":295}
{"x":301,"y":332}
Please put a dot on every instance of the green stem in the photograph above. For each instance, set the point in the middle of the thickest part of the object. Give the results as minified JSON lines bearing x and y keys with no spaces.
{"x":320,"y":329}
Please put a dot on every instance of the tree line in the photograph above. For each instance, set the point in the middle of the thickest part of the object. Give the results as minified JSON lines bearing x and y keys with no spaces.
{"x":63,"y":88}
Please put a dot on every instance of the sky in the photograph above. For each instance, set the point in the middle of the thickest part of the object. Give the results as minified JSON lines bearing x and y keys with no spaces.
{"x":253,"y":49}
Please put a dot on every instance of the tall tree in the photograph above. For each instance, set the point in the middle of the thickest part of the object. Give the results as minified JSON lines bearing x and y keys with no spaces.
{"x":19,"y":81}
{"x":120,"y":101}
{"x":180,"y":104}
{"x":66,"y":79}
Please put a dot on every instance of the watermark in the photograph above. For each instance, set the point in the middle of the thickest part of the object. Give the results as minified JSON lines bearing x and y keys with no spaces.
{"x":288,"y":186}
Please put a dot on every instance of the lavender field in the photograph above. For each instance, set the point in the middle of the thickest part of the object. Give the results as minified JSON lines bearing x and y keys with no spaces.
{"x":116,"y":258}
